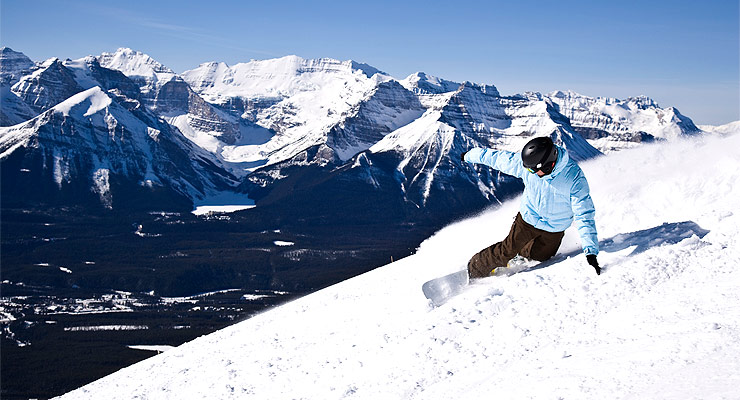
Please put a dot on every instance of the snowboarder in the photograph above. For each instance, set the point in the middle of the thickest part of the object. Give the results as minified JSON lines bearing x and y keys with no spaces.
{"x":555,"y":191}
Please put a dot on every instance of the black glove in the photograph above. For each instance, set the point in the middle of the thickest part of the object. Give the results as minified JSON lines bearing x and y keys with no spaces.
{"x":591,"y":258}
{"x":462,"y":156}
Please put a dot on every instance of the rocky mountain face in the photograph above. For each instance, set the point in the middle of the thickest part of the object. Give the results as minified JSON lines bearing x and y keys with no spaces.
{"x":13,"y":65}
{"x":93,"y":143}
{"x":302,"y":103}
{"x":322,"y":137}
{"x":172,"y":98}
{"x":48,"y":86}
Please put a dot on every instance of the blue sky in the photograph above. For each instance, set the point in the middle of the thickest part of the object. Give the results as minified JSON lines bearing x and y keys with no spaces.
{"x":684,"y":54}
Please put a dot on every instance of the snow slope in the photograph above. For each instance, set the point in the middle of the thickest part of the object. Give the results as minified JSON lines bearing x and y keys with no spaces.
{"x":661,"y":322}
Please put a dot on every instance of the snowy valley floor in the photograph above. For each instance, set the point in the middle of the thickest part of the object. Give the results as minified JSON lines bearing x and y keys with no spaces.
{"x":661,"y":322}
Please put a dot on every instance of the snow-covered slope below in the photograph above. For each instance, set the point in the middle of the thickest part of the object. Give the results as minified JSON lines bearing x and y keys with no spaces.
{"x":662,"y":320}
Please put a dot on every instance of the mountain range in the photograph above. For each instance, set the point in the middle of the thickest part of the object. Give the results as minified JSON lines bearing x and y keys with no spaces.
{"x":297,"y":136}
{"x":341,"y":167}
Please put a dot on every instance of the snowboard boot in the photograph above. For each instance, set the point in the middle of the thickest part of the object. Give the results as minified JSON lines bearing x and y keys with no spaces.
{"x":518,"y":261}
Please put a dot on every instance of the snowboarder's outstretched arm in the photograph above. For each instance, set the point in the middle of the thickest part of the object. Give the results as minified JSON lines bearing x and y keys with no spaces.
{"x":505,"y":161}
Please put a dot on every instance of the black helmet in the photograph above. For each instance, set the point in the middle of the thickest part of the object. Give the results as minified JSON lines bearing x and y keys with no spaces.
{"x":540,"y":154}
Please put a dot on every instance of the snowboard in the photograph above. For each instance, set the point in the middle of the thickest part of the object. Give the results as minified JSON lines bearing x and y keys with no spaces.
{"x":439,"y":290}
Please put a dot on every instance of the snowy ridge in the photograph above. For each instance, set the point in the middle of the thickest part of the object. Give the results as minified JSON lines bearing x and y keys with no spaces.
{"x":612,"y":124}
{"x":662,"y":321}
{"x":277,"y":78}
{"x":423,"y":84}
{"x":11,"y":139}
{"x":92,"y":101}
{"x":725,"y":129}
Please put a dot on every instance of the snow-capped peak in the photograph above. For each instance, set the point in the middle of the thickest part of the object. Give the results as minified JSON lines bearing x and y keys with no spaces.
{"x":140,"y":67}
{"x":133,"y":63}
{"x":49,"y":62}
{"x":642,"y":102}
{"x":421,"y":83}
{"x":87,"y":103}
{"x":367,"y":69}
{"x":8,"y":55}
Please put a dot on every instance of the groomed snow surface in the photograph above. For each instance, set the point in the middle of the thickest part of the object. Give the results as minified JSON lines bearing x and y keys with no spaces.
{"x":661,"y":322}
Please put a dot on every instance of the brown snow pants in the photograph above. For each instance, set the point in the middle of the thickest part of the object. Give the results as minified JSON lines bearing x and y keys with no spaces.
{"x":523,"y":239}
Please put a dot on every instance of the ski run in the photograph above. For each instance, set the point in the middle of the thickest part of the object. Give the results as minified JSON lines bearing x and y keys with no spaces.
{"x":661,"y":322}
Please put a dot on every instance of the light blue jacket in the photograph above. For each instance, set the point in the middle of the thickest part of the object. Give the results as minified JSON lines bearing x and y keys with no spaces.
{"x":550,"y":202}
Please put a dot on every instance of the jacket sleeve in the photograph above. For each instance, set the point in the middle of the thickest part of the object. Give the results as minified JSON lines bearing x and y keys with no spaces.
{"x":505,"y":161}
{"x":584,"y":213}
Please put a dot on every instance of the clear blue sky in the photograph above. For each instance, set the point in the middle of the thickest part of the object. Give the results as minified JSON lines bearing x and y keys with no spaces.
{"x":684,"y":54}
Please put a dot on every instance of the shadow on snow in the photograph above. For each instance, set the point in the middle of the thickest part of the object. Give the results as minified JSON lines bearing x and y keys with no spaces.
{"x":668,"y":233}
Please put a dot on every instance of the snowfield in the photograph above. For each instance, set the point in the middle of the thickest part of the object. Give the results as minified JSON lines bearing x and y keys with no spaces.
{"x":662,"y":321}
